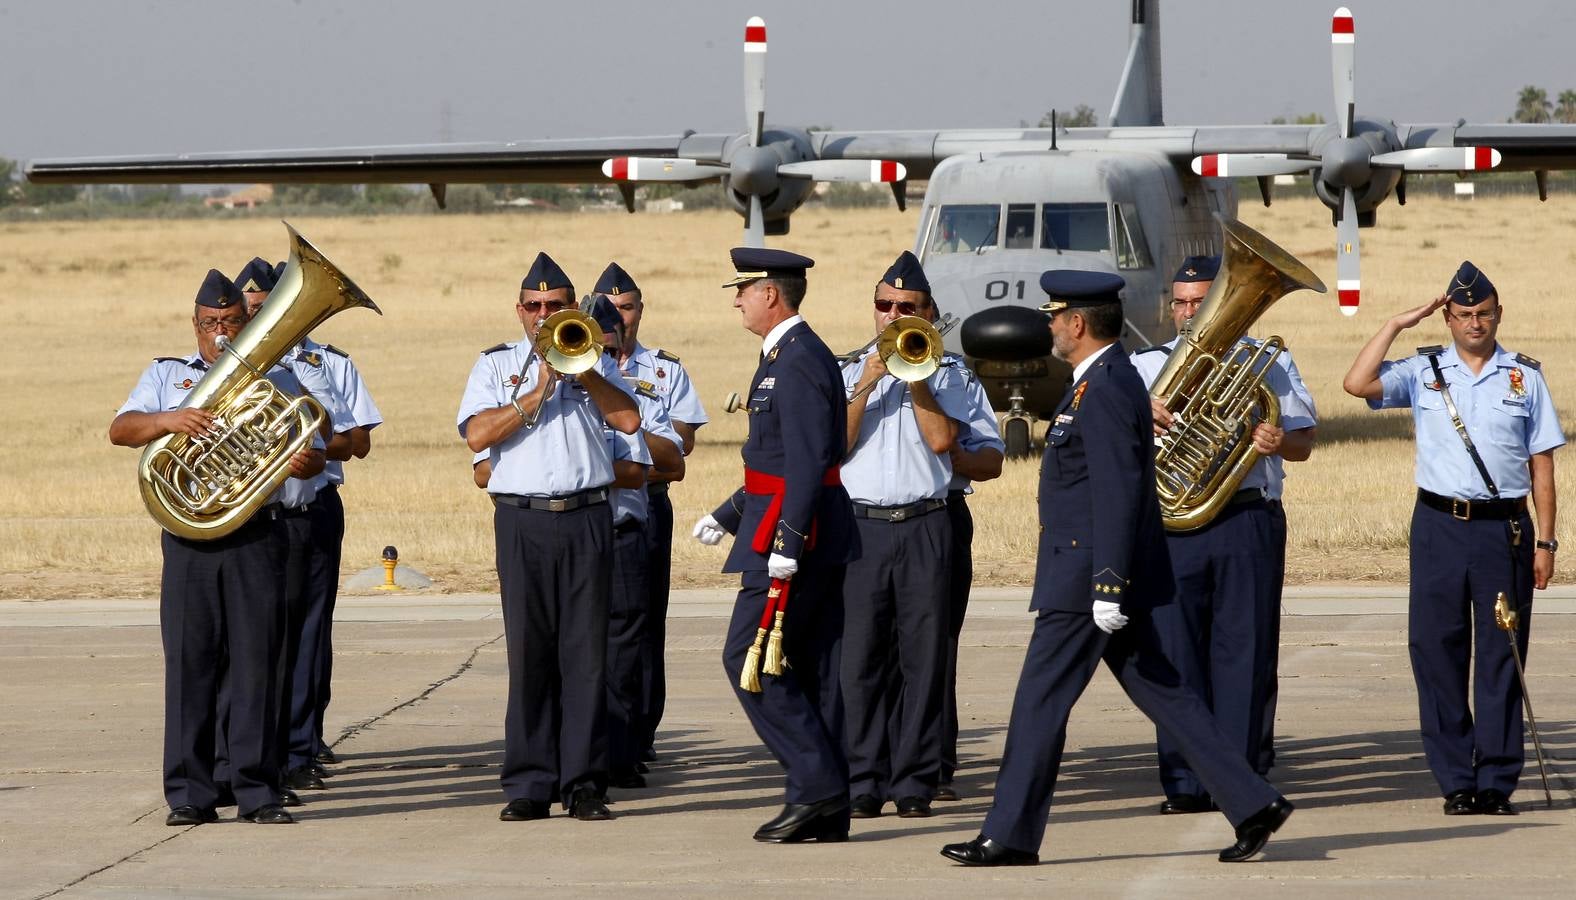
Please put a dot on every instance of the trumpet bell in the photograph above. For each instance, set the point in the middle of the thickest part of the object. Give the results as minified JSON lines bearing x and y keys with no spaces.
{"x":570,"y":341}
{"x":911,"y":348}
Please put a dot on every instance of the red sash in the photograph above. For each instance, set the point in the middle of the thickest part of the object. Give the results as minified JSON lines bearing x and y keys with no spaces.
{"x":764,"y":485}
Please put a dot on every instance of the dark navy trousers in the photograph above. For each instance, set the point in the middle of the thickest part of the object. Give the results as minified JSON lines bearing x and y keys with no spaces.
{"x":1266,"y":759}
{"x":659,"y":571}
{"x":1217,"y":632}
{"x":1458,"y":568}
{"x":961,"y":580}
{"x":309,"y":677}
{"x":554,"y":570}
{"x":798,"y":714}
{"x":1063,"y":653}
{"x":628,"y":626}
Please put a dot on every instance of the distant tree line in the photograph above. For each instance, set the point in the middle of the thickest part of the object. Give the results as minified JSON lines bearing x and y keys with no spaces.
{"x":1533,"y":105}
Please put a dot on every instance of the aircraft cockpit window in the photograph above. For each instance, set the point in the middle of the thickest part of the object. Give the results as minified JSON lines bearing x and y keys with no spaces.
{"x":965,"y":228}
{"x":1020,"y":227}
{"x":1132,"y":251}
{"x":1075,"y":226}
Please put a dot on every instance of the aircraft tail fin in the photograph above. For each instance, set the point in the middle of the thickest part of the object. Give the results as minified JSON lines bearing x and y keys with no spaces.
{"x":1138,"y":93}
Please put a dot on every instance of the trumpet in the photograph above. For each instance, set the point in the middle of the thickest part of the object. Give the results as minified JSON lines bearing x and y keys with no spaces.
{"x":571,"y":342}
{"x":910,"y":347}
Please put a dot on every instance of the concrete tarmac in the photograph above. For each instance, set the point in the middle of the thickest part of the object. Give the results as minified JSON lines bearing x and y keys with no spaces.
{"x":417,"y":716}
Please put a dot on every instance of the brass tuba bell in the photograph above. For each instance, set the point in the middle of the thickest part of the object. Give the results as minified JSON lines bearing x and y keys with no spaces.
{"x":1214,"y":385}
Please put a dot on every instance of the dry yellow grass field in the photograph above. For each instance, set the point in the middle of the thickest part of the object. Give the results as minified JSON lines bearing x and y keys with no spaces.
{"x":86,"y":306}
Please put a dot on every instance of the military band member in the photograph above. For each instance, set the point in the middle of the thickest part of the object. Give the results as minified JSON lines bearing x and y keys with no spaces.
{"x":221,"y":597}
{"x":551,"y":474}
{"x":896,"y":595}
{"x":1222,"y":631}
{"x":1472,"y":535}
{"x":665,"y":373}
{"x":1102,"y":568}
{"x":793,"y":523}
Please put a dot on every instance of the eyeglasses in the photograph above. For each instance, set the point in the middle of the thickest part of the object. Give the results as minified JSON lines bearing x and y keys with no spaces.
{"x":1488,"y":316}
{"x":551,"y":306}
{"x":209,"y":326}
{"x":905,"y":307}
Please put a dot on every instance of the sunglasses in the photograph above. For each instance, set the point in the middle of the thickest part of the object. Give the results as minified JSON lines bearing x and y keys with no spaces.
{"x":905,"y":307}
{"x":532,"y":306}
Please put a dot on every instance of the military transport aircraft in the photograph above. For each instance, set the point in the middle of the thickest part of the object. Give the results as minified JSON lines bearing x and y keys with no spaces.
{"x":1003,"y":205}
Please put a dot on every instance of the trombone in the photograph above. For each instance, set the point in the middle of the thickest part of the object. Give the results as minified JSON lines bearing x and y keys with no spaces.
{"x":571,"y":342}
{"x":910,"y":347}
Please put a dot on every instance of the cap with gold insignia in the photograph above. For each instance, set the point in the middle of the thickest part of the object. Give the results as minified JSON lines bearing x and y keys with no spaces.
{"x":907,"y":274}
{"x":1198,"y":268}
{"x":218,"y":292}
{"x":1470,"y":286}
{"x":1070,"y":289}
{"x":615,"y":281}
{"x":256,"y":277}
{"x":601,"y":309}
{"x":754,"y":263}
{"x":545,"y":275}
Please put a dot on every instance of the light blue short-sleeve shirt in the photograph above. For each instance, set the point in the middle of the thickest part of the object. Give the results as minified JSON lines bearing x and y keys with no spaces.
{"x":890,"y":463}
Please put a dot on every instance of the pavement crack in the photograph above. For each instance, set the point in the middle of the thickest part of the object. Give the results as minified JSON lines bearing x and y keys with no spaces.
{"x":105,"y":868}
{"x":356,"y":728}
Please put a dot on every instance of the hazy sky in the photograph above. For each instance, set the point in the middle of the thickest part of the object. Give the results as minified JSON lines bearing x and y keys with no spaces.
{"x":153,"y":76}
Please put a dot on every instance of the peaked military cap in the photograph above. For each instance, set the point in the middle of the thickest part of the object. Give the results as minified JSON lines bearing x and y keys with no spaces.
{"x":1470,"y":286}
{"x":754,"y":263}
{"x":279,"y":271}
{"x":1198,"y":268}
{"x":907,"y":274}
{"x":600,"y":308}
{"x":218,"y":292}
{"x":1070,"y":289}
{"x":615,"y":281}
{"x":256,"y":276}
{"x":545,"y":275}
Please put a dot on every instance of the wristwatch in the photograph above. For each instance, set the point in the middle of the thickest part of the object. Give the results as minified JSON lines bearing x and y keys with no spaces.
{"x":1551,"y":546}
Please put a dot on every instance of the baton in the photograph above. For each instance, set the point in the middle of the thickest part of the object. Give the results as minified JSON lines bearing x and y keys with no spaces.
{"x":1507,"y":618}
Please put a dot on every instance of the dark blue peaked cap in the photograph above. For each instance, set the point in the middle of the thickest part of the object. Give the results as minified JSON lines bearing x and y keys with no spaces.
{"x":752,"y":263}
{"x":1068,"y":289}
{"x":279,"y":271}
{"x":1470,"y":286}
{"x":545,"y":275}
{"x":601,"y":309}
{"x":615,"y":281}
{"x":1198,"y":268}
{"x":218,"y":292}
{"x":257,"y":275}
{"x":907,"y":274}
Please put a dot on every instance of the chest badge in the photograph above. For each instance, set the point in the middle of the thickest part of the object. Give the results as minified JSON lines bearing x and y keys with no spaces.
{"x":661,"y":372}
{"x":511,"y":381}
{"x":1518,"y":385}
{"x":185,"y":384}
{"x":1078,"y":393}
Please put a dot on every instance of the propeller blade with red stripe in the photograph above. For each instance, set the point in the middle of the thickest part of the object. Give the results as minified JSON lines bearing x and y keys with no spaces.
{"x":1343,"y":65}
{"x":658,"y":168}
{"x":1249,"y":165}
{"x":1348,"y":263}
{"x":873,"y":171}
{"x":755,"y":79}
{"x":1440,"y":159}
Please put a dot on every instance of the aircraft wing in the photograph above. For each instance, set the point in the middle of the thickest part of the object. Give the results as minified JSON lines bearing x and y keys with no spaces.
{"x":537,"y":161}
{"x":1522,"y":147}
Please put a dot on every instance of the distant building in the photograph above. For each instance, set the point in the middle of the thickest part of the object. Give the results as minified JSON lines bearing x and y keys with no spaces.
{"x":246,"y":198}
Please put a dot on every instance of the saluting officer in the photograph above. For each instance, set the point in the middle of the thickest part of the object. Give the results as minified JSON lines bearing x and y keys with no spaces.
{"x":1102,"y":567}
{"x":1486,"y":435}
{"x":896,"y":597}
{"x":222,"y":597}
{"x":663,"y":371}
{"x":977,"y":455}
{"x":1221,"y":632}
{"x":793,"y":524}
{"x":551,"y":472}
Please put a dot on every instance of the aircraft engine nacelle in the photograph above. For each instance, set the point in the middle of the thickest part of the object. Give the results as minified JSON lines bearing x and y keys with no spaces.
{"x":1345,"y":162}
{"x":753,"y":171}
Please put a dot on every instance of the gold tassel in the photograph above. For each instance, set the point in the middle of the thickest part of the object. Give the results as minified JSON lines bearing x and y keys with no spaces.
{"x":750,"y":678}
{"x":774,"y":648}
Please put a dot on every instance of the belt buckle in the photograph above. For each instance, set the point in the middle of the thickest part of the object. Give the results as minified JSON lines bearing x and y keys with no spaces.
{"x":557,"y":504}
{"x":898,"y":515}
{"x":1458,"y":504}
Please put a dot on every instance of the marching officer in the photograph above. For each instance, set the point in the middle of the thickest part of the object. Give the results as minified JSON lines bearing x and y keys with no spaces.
{"x":550,"y":479}
{"x":896,"y":595}
{"x":1486,"y":435}
{"x":665,"y":373}
{"x":1102,"y":567}
{"x":1222,"y":631}
{"x":219,"y":598}
{"x":795,"y":534}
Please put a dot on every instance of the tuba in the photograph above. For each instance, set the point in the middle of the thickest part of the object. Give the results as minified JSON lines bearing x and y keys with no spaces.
{"x":204,"y":488}
{"x":1214,"y":387}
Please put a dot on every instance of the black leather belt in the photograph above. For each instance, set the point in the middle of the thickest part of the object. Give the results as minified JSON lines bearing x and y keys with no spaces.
{"x":898,"y":513}
{"x":1246,"y":495}
{"x":560,"y":503}
{"x":656,"y":488}
{"x":274,"y":512}
{"x":1466,"y":510}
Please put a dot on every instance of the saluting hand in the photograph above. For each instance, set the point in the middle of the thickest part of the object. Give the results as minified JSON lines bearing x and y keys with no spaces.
{"x":190,"y":421}
{"x":1418,"y":313}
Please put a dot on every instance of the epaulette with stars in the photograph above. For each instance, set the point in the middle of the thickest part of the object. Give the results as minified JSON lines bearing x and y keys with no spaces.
{"x":1528,"y":361}
{"x":663,"y":354}
{"x":495,"y":348}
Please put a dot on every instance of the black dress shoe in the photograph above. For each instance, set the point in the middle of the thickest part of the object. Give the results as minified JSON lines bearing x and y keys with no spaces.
{"x":642,"y":769}
{"x":269,"y":814}
{"x":1255,"y":832}
{"x":1184,"y":804}
{"x":1494,"y":803}
{"x":289,"y":798}
{"x":326,"y":756}
{"x":525,"y":811}
{"x":190,"y":815}
{"x":302,"y":778}
{"x":913,"y":808}
{"x":588,"y":806}
{"x":982,"y":851}
{"x":826,"y":821}
{"x":226,"y":795}
{"x":1461,"y":803}
{"x":317,"y":769}
{"x":945,"y":791}
{"x":865,"y":806}
{"x":628,"y":780}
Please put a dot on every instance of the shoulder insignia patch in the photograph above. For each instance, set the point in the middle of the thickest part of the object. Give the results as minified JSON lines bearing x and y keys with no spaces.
{"x":772,"y":356}
{"x":495,"y":348}
{"x":315,"y":360}
{"x":647,"y":389}
{"x":663,"y":354}
{"x":1528,"y":361}
{"x":1434,"y":350}
{"x":332,"y":349}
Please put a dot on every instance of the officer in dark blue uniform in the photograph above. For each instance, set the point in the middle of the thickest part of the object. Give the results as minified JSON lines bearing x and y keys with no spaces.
{"x":550,"y":476}
{"x":1472,"y":536}
{"x":793,"y":526}
{"x":1102,"y":567}
{"x":219,"y":598}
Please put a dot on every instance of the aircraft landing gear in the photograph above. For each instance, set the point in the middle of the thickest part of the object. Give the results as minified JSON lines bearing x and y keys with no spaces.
{"x":1017,"y":425}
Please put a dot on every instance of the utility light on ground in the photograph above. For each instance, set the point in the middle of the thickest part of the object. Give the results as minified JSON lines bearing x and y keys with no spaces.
{"x":390,"y":561}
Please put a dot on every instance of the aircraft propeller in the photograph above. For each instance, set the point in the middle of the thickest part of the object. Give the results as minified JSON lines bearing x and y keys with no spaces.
{"x":1345,"y":163}
{"x":754,"y":170}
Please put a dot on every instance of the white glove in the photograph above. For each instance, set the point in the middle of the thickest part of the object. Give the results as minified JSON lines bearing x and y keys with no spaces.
{"x":1108,"y":616}
{"x":707,"y":531}
{"x":779,"y":566}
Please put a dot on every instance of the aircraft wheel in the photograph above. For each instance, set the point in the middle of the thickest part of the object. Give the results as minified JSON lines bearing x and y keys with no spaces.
{"x":1015,"y":433}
